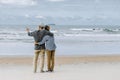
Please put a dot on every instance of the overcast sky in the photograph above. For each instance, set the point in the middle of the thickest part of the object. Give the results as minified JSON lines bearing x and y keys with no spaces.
{"x":102,"y":12}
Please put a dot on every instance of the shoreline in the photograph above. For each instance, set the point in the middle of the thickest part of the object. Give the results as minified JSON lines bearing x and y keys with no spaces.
{"x":59,"y":60}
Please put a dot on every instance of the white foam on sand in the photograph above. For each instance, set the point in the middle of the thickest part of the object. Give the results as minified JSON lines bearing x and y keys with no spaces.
{"x":83,"y":71}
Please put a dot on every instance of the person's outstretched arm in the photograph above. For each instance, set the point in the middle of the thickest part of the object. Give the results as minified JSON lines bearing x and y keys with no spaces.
{"x":30,"y":33}
{"x":43,"y":40}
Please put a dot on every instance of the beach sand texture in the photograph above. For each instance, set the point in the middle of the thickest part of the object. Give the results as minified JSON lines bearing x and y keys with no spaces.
{"x":67,"y":68}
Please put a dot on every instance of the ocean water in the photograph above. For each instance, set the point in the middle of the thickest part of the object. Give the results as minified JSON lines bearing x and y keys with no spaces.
{"x":70,"y":39}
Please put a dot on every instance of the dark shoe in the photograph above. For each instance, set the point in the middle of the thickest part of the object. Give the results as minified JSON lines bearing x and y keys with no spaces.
{"x":51,"y":70}
{"x":42,"y":71}
{"x":48,"y":71}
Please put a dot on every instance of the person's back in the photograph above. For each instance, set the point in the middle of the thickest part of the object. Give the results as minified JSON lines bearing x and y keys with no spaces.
{"x":39,"y":49}
{"x":49,"y":42}
{"x":37,"y":37}
{"x":50,"y":49}
{"x":43,"y":33}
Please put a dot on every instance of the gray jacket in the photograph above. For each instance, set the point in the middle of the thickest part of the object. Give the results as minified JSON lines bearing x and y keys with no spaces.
{"x":38,"y":35}
{"x":49,"y":42}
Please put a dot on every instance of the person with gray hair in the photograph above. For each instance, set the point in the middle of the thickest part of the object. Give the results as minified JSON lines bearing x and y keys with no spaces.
{"x":50,"y":49}
{"x":39,"y":49}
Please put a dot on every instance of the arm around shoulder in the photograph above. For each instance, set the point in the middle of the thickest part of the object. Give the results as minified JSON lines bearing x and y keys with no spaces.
{"x":43,"y":40}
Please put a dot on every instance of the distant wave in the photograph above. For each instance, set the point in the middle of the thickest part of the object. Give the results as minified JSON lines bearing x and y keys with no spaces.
{"x":19,"y":34}
{"x":94,"y":35}
{"x":81,"y":29}
{"x":54,"y":31}
{"x":111,"y":30}
{"x":96,"y":30}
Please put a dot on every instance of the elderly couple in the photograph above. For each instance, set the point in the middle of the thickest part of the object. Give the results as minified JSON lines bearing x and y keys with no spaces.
{"x":44,"y":42}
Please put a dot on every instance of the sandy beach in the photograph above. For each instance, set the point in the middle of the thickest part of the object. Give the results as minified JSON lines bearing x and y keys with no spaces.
{"x":67,"y":68}
{"x":86,"y":34}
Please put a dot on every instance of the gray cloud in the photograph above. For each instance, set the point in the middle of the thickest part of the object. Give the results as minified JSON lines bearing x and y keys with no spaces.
{"x":60,"y":11}
{"x":18,"y":2}
{"x":56,"y":0}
